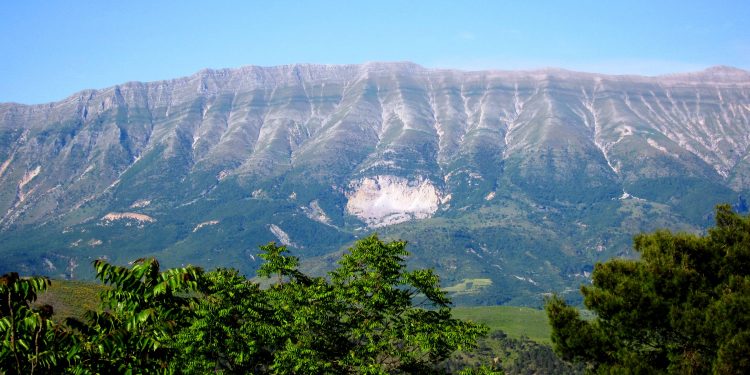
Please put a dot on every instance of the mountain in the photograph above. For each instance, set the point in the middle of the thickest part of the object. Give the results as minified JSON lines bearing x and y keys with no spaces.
{"x":511,"y":184}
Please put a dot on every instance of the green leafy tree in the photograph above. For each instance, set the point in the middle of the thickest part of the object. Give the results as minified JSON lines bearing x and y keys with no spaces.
{"x":232,"y":330}
{"x":32,"y":342}
{"x":683,"y":307}
{"x":397,"y":321}
{"x":312,"y":337}
{"x":371,"y":316}
{"x":140,"y":313}
{"x":279,"y":264}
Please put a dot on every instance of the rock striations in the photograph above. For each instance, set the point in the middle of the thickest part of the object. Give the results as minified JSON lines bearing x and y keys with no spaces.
{"x":378,"y":145}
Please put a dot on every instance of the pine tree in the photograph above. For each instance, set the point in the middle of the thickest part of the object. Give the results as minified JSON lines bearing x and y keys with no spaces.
{"x":683,"y":307}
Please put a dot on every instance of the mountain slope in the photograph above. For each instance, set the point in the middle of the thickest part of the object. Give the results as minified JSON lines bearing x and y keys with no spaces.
{"x":522,"y":178}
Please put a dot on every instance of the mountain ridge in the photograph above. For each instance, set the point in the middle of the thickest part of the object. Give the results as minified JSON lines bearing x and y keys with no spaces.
{"x":482,"y":171}
{"x":725,"y":71}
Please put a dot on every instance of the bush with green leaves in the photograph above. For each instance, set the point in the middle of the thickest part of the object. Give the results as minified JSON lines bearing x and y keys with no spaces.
{"x":683,"y":307}
{"x":32,"y":343}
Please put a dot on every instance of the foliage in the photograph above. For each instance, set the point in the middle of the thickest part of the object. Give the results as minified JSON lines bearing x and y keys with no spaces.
{"x":140,"y":313}
{"x":500,"y":352}
{"x":684,"y":307}
{"x":396,"y":320}
{"x":277,"y":263}
{"x":369,"y":316}
{"x":231,"y":321}
{"x":482,"y":370}
{"x":31,"y":342}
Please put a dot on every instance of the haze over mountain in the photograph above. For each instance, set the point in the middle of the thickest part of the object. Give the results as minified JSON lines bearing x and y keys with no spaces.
{"x":511,"y":184}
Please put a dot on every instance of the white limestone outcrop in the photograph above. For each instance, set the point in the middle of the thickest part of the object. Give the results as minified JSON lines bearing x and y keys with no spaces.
{"x":385,"y":200}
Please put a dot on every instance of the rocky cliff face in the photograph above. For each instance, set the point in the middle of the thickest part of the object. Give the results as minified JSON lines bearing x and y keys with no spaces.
{"x":338,"y":149}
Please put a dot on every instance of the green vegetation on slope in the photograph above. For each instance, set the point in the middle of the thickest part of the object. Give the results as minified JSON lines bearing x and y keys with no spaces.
{"x":513,"y":356}
{"x":71,"y":299}
{"x":516,"y":322}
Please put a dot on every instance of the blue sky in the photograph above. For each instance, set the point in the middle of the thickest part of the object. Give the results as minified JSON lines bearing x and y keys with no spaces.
{"x":51,"y":49}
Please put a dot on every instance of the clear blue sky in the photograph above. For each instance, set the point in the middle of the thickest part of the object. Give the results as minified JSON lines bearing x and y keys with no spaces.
{"x":51,"y":49}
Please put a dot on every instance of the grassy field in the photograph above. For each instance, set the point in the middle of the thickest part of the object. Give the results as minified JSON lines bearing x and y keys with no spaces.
{"x":469,"y":286}
{"x":71,"y":298}
{"x":514,"y":321}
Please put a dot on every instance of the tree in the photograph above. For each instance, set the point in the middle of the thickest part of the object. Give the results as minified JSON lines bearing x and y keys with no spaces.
{"x":370,"y":316}
{"x":140,"y":313}
{"x":396,"y":320}
{"x":683,"y":307}
{"x":232,"y":330}
{"x":310,"y":337}
{"x":279,"y":264}
{"x":32,"y":342}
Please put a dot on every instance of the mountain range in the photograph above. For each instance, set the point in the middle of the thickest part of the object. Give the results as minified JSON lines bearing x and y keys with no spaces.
{"x":511,"y":184}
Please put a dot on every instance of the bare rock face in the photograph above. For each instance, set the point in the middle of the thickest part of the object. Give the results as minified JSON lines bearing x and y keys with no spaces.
{"x":316,"y":213}
{"x":115,"y":216}
{"x":530,"y":174}
{"x":387,"y":200}
{"x":282,"y":236}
